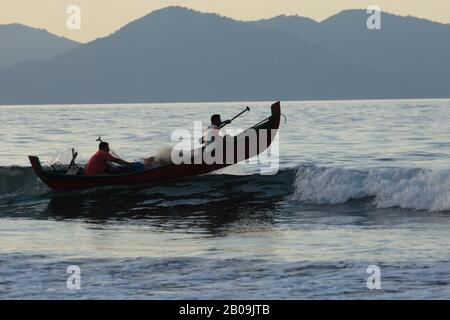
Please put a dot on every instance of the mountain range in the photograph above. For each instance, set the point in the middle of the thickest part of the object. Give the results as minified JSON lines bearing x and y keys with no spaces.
{"x":19,"y":43}
{"x":179,"y":55}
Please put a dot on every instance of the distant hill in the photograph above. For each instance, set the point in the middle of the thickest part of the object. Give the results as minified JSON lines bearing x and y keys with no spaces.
{"x":305,"y":28}
{"x":408,"y":46}
{"x":20,"y":43}
{"x":177,"y":54}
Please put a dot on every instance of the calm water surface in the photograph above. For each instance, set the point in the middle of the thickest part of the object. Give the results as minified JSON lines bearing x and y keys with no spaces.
{"x":360,"y":183}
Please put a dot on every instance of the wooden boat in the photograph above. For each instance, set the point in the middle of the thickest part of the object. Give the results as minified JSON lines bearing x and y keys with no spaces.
{"x":266,"y":129}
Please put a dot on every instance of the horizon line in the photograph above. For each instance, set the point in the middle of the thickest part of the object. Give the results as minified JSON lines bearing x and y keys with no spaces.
{"x":222,"y":102}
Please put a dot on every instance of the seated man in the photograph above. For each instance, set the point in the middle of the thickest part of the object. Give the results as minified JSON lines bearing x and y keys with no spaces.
{"x":98,"y":163}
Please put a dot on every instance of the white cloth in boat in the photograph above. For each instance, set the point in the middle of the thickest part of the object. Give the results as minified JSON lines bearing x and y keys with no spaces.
{"x":161,"y":158}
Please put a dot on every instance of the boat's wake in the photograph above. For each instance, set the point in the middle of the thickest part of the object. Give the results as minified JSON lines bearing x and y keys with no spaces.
{"x":415,"y":189}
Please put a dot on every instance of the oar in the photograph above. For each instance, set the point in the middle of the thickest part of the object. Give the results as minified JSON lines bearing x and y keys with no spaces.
{"x":231,"y":120}
{"x":74,"y":156}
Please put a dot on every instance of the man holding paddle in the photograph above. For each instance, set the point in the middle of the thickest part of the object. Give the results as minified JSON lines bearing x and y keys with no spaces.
{"x":212,"y":132}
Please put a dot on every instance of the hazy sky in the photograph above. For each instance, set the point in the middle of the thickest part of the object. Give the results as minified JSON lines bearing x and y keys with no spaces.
{"x":102,"y":17}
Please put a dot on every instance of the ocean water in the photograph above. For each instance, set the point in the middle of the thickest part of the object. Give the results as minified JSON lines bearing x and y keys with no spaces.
{"x":360,"y":183}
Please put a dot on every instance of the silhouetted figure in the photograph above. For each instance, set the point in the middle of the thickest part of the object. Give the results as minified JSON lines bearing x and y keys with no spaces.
{"x":212,"y":132}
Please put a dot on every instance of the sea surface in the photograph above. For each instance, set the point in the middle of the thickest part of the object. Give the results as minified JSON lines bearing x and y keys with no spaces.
{"x":359,"y":184}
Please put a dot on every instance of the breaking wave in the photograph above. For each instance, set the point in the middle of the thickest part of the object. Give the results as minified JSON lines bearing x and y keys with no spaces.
{"x":416,"y":189}
{"x":18,"y":180}
{"x":413,"y":189}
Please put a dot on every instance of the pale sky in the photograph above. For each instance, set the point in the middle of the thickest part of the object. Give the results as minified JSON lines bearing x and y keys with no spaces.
{"x":102,"y":17}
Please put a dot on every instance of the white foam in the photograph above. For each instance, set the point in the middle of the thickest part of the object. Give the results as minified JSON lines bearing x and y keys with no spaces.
{"x":416,"y":189}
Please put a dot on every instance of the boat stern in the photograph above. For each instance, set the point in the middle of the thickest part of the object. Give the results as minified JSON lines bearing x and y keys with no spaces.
{"x":37,"y":168}
{"x":35,"y":164}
